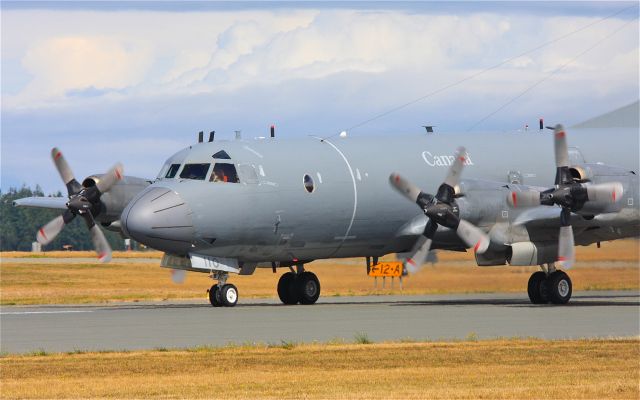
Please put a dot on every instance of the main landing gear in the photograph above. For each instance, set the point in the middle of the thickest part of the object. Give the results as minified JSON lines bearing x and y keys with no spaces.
{"x":223,"y":294}
{"x":299,"y":287}
{"x":549,"y":286}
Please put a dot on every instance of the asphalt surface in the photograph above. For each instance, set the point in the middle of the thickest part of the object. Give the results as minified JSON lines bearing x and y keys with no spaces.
{"x":129,"y":326}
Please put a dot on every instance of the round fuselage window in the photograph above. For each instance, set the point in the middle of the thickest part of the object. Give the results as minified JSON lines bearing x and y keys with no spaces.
{"x":308,"y":183}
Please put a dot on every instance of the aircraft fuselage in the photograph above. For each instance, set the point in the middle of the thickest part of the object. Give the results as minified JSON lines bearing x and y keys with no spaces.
{"x":308,"y":198}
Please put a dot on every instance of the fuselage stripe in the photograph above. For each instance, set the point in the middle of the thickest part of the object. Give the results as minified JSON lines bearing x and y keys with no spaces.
{"x":355,"y":194}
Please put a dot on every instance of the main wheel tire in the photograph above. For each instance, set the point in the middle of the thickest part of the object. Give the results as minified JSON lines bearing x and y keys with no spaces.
{"x":560,"y":287}
{"x":229,"y":295}
{"x":214,"y":296}
{"x":534,"y":288}
{"x":545,"y":292}
{"x":287,"y":288}
{"x":308,"y":288}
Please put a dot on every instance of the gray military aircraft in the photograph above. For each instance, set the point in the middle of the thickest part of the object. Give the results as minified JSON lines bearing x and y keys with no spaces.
{"x":228,"y":207}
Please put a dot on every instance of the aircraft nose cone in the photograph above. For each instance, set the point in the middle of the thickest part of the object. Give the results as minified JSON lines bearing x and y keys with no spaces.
{"x":159,"y":218}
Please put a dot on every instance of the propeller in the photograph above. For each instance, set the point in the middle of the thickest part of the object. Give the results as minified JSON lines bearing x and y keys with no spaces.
{"x":83,"y":201}
{"x":440,"y":209}
{"x":178,"y":275}
{"x":568,"y":193}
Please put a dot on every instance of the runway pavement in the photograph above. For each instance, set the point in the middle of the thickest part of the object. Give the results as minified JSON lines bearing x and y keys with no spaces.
{"x":128,"y":326}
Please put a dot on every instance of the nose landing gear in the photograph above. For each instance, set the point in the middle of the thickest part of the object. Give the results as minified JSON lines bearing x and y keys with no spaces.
{"x":223,"y":294}
{"x":549,"y":286}
{"x":299,"y":287}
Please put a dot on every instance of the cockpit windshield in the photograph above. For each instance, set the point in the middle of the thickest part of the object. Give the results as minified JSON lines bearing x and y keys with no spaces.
{"x":195,"y":171}
{"x":172,"y":171}
{"x":223,"y":172}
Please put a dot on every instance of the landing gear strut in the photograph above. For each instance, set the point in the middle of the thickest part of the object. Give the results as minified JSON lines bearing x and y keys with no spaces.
{"x":549,"y":286}
{"x":223,"y":294}
{"x":299,"y":287}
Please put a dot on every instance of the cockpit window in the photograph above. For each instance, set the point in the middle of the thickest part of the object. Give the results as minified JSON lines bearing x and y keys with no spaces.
{"x":222,"y":155}
{"x":195,"y":171}
{"x":173,"y":169}
{"x":224,"y":173}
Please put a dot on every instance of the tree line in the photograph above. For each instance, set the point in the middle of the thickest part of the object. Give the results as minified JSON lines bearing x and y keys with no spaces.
{"x":18,"y":225}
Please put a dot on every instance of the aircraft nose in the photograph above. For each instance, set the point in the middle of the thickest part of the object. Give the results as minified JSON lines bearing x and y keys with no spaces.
{"x":159,"y":218}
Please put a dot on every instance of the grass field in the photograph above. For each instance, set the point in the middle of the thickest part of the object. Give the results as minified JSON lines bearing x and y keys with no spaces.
{"x":512,"y":369}
{"x":614,"y":266}
{"x":79,"y":254}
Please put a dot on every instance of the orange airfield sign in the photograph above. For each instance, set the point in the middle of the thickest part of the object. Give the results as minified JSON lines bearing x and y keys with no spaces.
{"x":386,"y":269}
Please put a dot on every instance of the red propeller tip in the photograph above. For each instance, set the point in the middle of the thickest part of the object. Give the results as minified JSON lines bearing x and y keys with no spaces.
{"x":397,"y":178}
{"x":562,"y":259}
{"x":477,"y":246}
{"x":43,"y":234}
{"x":514,"y":197}
{"x":410,"y":261}
{"x":58,"y":155}
{"x":118,"y":174}
{"x":614,"y":195}
{"x":560,"y":134}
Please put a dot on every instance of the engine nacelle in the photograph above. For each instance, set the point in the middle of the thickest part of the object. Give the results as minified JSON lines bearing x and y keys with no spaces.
{"x":532,"y":253}
{"x":116,"y":199}
{"x":581,"y":172}
{"x":491,"y":258}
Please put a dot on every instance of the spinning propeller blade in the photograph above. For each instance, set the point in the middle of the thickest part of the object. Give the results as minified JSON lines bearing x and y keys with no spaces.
{"x":100,"y":243}
{"x":523,"y":199}
{"x":83,"y":201}
{"x":65,"y":172}
{"x":178,"y":275}
{"x":110,"y":178}
{"x":473,"y":236}
{"x":569,"y":193}
{"x":439,"y":211}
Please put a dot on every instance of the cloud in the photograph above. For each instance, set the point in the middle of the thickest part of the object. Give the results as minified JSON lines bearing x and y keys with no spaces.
{"x":99,"y":82}
{"x":63,"y":64}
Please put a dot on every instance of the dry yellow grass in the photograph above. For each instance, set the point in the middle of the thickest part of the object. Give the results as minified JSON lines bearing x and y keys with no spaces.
{"x":34,"y":283}
{"x":79,"y":254}
{"x":511,"y":369}
{"x":620,"y":250}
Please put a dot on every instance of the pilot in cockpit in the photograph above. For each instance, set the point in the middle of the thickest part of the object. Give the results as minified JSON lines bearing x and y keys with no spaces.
{"x":219,"y":176}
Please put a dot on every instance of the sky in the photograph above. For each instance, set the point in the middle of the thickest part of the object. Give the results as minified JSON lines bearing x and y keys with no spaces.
{"x":135,"y":81}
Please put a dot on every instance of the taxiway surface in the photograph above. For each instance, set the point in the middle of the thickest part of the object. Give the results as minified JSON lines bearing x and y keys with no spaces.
{"x":129,"y":326}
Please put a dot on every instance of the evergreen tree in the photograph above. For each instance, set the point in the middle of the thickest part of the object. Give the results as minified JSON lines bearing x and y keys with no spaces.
{"x":18,"y":225}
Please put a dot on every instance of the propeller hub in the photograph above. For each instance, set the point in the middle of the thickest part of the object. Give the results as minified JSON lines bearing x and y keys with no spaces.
{"x":443,"y":214}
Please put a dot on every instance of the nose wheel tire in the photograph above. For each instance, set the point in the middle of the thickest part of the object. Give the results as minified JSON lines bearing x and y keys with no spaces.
{"x":229,"y":295}
{"x":214,"y":296}
{"x":555,"y":288}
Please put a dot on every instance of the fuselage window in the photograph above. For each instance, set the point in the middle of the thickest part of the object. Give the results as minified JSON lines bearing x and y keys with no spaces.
{"x":222,"y":155}
{"x":308,"y":183}
{"x":194,"y":171}
{"x":224,"y":173}
{"x":173,"y":169}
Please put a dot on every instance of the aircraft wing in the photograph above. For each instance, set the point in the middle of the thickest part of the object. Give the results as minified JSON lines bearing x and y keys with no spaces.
{"x":58,"y":203}
{"x":539,"y":215}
